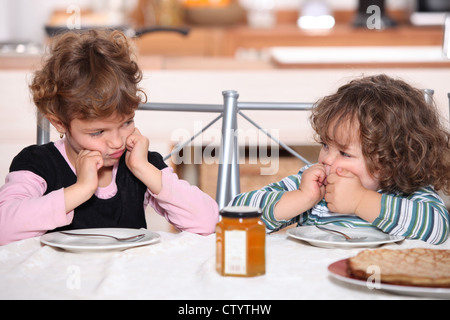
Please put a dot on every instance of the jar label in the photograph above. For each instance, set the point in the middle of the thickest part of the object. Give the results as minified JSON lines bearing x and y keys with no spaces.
{"x":235,"y":252}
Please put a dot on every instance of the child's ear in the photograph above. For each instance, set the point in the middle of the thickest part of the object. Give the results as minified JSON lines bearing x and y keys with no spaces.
{"x":57,"y":123}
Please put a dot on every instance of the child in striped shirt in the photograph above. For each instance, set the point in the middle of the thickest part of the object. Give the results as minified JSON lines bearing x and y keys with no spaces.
{"x":384,"y":155}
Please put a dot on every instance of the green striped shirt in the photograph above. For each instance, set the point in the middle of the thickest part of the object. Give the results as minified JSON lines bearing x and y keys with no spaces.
{"x":421,"y":215}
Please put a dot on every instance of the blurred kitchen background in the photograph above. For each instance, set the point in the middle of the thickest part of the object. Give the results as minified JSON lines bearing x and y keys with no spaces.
{"x":267,"y":50}
{"x":24,"y":20}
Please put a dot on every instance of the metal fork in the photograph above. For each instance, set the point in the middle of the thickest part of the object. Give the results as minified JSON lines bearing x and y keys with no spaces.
{"x":347,"y":237}
{"x":126,"y":239}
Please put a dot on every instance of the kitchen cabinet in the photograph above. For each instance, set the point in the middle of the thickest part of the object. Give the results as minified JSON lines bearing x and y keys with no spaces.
{"x":227,"y":40}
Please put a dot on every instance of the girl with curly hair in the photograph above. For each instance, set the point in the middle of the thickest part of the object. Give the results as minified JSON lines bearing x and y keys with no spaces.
{"x":101,"y":174}
{"x":384,"y":155}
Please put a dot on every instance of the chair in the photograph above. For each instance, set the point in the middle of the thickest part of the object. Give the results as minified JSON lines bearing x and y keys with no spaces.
{"x":228,"y":181}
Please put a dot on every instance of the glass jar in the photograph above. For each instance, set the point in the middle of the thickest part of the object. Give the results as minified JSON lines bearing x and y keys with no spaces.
{"x":240,"y":242}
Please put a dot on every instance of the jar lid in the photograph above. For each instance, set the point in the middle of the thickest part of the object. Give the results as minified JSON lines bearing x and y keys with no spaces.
{"x":241,"y":212}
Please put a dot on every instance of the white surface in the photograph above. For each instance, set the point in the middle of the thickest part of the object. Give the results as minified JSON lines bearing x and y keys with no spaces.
{"x":352,"y":55}
{"x":323,"y":239}
{"x":180,"y":266}
{"x":428,"y":18}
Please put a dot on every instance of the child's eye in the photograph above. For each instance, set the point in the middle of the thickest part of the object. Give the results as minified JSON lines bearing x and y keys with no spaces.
{"x":344,"y":154}
{"x":324,"y":146}
{"x":96,"y":134}
{"x":128,"y":122}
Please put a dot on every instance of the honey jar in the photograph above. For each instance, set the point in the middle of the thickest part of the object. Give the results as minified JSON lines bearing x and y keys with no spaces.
{"x":240,"y":242}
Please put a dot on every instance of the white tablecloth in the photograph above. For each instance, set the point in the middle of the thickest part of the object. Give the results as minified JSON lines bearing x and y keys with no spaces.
{"x":180,"y":266}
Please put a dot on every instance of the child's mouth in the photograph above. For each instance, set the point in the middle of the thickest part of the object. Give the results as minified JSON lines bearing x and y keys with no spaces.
{"x":117,"y":155}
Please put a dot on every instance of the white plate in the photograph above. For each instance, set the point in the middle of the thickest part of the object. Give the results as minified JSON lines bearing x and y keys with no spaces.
{"x":98,"y":244}
{"x":323,"y":239}
{"x":338,"y":270}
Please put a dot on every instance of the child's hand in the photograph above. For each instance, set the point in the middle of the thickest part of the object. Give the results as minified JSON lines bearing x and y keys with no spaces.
{"x":313,"y":183}
{"x":137,"y":151}
{"x":87,"y":165}
{"x":309,"y":193}
{"x":136,"y":159}
{"x":344,"y":192}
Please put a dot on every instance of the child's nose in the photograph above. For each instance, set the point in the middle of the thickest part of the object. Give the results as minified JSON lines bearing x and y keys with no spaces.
{"x":329,"y":159}
{"x":115,"y":141}
{"x":330,"y":162}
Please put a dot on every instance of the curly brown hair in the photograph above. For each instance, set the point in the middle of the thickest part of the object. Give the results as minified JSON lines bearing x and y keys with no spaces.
{"x":88,"y":75}
{"x":403,"y":138}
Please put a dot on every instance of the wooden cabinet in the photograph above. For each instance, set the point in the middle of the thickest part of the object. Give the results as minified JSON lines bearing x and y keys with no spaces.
{"x":225,"y":41}
{"x":199,"y":42}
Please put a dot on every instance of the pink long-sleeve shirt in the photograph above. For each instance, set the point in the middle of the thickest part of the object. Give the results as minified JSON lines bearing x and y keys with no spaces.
{"x":26,"y":212}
